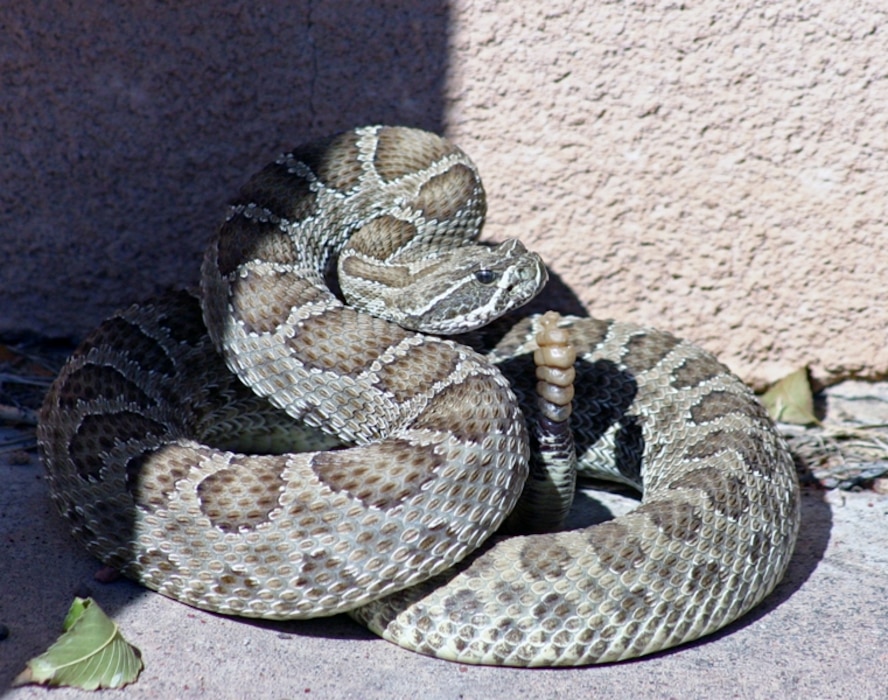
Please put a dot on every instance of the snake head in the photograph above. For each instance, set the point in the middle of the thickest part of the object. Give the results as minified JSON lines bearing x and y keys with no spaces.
{"x":469,"y":287}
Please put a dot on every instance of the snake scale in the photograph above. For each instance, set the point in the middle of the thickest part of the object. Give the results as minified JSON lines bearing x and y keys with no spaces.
{"x":367,"y":465}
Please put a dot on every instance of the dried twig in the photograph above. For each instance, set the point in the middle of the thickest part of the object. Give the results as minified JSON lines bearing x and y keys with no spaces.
{"x":29,"y":380}
{"x":14,"y":414}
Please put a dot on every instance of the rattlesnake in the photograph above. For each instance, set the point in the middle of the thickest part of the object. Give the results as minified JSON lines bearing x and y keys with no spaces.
{"x":168,"y":468}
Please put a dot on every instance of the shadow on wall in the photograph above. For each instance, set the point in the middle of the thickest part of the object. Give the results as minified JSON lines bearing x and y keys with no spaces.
{"x":126,"y":127}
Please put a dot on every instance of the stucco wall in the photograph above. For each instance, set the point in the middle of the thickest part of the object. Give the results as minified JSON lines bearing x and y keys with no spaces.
{"x":714,"y":168}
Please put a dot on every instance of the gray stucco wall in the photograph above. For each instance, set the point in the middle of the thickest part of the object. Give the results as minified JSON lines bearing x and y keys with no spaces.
{"x":713,"y":168}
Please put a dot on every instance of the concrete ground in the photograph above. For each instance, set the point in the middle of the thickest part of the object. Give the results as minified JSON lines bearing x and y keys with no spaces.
{"x":822,"y":634}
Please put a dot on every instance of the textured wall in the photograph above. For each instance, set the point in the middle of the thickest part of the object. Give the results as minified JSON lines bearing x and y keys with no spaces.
{"x":126,"y":126}
{"x":715,"y":168}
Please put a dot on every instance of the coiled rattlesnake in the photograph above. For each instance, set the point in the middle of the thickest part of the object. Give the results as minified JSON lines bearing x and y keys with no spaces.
{"x":169,"y":468}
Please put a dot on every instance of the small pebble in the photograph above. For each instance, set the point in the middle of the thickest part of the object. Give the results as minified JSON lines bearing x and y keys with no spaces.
{"x":19,"y":458}
{"x":107,"y":574}
{"x":4,"y":631}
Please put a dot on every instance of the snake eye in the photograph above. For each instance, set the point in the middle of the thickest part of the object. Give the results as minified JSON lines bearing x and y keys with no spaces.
{"x":486,"y":276}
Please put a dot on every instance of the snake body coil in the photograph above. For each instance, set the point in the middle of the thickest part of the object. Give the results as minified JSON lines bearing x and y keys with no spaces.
{"x":366,"y":462}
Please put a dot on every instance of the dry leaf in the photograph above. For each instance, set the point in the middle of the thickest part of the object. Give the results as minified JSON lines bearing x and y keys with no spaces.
{"x":791,"y":400}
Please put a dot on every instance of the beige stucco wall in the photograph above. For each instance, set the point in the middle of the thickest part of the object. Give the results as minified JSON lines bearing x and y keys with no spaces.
{"x":714,"y":168}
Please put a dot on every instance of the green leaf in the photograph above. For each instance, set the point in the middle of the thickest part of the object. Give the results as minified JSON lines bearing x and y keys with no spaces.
{"x":791,"y":400}
{"x":90,"y":654}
